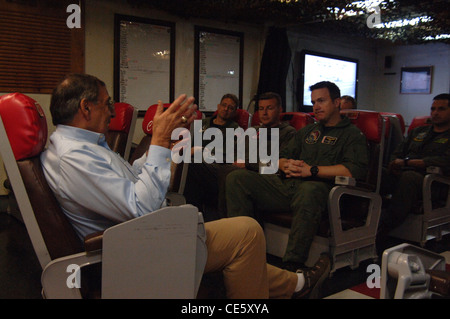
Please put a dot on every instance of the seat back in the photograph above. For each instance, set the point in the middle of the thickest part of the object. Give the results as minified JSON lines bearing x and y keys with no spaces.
{"x":121,"y":129}
{"x":147,"y":127}
{"x":255,"y":119}
{"x":395,"y":131}
{"x":400,"y":118}
{"x":24,"y":128}
{"x":179,"y":171}
{"x":373,"y":126}
{"x":242,"y":117}
{"x":147,"y":123}
{"x":295,"y":119}
{"x":419,"y":121}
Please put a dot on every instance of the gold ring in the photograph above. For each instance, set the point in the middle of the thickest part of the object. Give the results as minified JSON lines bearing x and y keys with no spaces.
{"x":184,"y":119}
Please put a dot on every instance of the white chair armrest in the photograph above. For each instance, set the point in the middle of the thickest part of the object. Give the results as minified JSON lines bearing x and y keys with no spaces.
{"x":58,"y":280}
{"x":345,"y":180}
{"x":158,"y":255}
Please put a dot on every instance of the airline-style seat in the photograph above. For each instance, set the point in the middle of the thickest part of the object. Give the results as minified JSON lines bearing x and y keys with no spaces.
{"x":400,"y":118}
{"x":419,"y":121}
{"x":135,"y":260}
{"x":395,"y":134}
{"x":179,"y":171}
{"x":432,"y":218}
{"x":348,"y":232}
{"x":121,"y":128}
{"x":147,"y":127}
{"x":295,"y":119}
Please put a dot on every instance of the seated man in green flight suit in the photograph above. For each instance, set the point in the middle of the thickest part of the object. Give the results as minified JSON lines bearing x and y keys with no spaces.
{"x":307,"y":166}
{"x":423,"y":147}
{"x":201,"y":183}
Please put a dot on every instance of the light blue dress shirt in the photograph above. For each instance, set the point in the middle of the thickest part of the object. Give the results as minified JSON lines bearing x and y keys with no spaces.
{"x":96,"y":187}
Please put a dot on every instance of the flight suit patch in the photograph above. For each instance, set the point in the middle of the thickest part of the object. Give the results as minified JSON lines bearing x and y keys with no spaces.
{"x":313,"y":137}
{"x":331,"y":140}
{"x":441,"y":140}
{"x":420,"y":137}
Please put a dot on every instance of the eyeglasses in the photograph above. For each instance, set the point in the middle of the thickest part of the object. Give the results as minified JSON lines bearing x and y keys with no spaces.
{"x":110,"y":103}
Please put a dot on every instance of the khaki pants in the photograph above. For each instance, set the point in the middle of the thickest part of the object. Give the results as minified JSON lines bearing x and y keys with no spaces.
{"x":237,"y":247}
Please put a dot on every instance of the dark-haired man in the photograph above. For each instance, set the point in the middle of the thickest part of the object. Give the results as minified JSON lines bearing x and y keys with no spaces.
{"x":423,"y":147}
{"x":202,"y":182}
{"x":307,"y":167}
{"x":347,"y":102}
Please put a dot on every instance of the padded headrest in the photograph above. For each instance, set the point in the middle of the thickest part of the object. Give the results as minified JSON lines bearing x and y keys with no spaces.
{"x":400,"y":119}
{"x":25,"y":124}
{"x":369,"y":122}
{"x":147,"y":123}
{"x":419,"y":121}
{"x":255,"y":119}
{"x":297,"y":119}
{"x":122,"y":121}
{"x":241,"y":117}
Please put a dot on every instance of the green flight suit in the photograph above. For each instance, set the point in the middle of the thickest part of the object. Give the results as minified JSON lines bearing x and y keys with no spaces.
{"x":406,"y":189}
{"x":206,"y":182}
{"x":249,"y":193}
{"x":202,"y":186}
{"x":286,"y":133}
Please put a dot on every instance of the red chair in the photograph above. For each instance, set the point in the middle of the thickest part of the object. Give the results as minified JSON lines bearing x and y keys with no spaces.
{"x":147,"y":127}
{"x":147,"y":124}
{"x":179,"y":171}
{"x":400,"y":118}
{"x":419,"y":121}
{"x":374,"y":127}
{"x":121,"y":128}
{"x":395,"y":133}
{"x":242,"y":118}
{"x":432,"y":220}
{"x":295,"y":119}
{"x":354,"y":208}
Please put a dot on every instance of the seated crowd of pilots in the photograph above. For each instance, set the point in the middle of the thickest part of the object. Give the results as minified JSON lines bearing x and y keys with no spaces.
{"x":306,"y":170}
{"x":231,"y":195}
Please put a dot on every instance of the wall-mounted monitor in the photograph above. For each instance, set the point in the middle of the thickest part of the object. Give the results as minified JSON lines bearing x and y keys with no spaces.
{"x":316,"y":67}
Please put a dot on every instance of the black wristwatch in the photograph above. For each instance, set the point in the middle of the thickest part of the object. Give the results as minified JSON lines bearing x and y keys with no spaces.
{"x":405,"y":161}
{"x":314,"y":171}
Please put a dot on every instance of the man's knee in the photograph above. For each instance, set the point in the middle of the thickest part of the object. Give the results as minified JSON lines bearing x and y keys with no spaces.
{"x":310,"y":194}
{"x":237,"y":177}
{"x":249,"y":227}
{"x":411,"y":177}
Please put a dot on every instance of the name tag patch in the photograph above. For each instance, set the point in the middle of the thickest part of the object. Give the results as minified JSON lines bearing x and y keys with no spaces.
{"x":441,"y":140}
{"x":331,"y":140}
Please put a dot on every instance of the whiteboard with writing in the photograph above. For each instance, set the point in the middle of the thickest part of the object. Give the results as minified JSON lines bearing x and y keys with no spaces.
{"x":219,"y":67}
{"x":143,"y":68}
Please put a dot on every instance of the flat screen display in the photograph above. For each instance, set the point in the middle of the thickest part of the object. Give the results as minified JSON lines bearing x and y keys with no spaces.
{"x":317,"y":67}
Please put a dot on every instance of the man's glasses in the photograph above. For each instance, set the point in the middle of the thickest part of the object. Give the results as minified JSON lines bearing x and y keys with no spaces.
{"x":110,"y":103}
